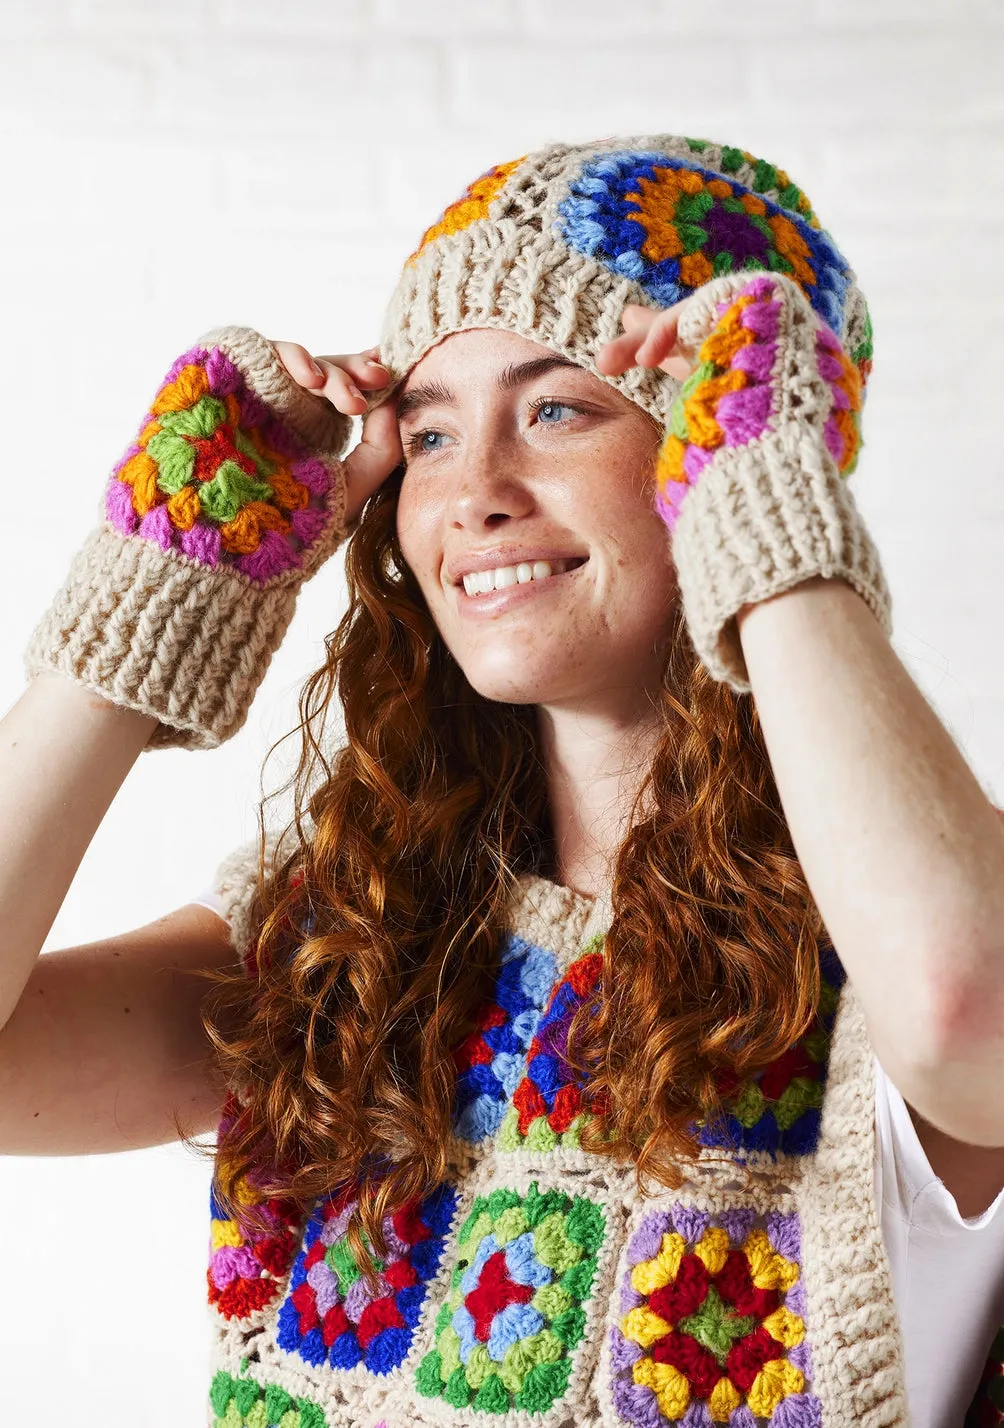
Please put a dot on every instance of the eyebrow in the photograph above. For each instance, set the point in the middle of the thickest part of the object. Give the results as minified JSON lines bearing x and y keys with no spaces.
{"x":517,"y":374}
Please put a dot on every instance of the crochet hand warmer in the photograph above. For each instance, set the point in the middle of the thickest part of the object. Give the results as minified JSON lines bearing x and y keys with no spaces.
{"x":752,"y":472}
{"x":231,"y":497}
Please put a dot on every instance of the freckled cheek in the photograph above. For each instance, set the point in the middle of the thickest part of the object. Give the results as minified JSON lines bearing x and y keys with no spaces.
{"x":417,"y":534}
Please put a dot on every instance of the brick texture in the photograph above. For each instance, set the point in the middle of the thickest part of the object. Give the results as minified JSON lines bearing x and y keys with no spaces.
{"x":172,"y":166}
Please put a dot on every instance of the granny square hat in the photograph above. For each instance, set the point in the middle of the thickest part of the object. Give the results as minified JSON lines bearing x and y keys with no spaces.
{"x":555,"y":244}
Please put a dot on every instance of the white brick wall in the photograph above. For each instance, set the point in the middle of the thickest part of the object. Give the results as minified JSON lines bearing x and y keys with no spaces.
{"x":170,"y":166}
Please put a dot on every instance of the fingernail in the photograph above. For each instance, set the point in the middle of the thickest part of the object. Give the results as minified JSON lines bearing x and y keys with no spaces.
{"x":317,"y":370}
{"x":372,"y":362}
{"x":354,"y":391}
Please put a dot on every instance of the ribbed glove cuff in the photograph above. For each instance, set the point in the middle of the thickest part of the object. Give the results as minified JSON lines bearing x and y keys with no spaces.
{"x":761,"y":520}
{"x":155,"y":613}
{"x":156,"y":633}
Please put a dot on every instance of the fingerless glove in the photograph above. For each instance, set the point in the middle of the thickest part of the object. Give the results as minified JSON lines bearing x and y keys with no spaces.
{"x":752,"y":474}
{"x":231,"y":496}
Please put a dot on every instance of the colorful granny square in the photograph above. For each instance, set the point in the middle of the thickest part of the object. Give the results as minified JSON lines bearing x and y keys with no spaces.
{"x":246,"y":1268}
{"x":732,"y":396}
{"x":712,"y":1326}
{"x":506,"y":1333}
{"x":243,"y":1403}
{"x":217,"y":476}
{"x":729,"y":399}
{"x":779,"y":1109}
{"x":334,"y":1314}
{"x":671,"y":225}
{"x":491,"y":1061}
{"x":547,"y":1108}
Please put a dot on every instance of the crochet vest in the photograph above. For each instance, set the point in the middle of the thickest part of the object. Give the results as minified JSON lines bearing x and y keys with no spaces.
{"x":539,"y":1287}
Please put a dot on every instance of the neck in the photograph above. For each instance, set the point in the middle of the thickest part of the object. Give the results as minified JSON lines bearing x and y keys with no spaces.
{"x":595,"y":763}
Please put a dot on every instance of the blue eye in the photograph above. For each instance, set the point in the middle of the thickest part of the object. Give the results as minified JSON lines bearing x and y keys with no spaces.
{"x":546,"y":406}
{"x":419,"y":443}
{"x":548,"y":410}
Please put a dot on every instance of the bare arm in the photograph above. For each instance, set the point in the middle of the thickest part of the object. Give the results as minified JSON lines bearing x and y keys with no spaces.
{"x":100,"y":1045}
{"x":900,"y":845}
{"x":64,"y":754}
{"x":106,"y":1045}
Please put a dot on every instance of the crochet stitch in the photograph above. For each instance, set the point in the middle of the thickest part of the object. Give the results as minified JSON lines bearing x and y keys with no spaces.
{"x":554,"y":245}
{"x":230,"y":497}
{"x":333,"y":1314}
{"x":751,"y":476}
{"x":504,"y":1335}
{"x":218,"y":476}
{"x":712,"y":1308}
{"x":541,"y":1287}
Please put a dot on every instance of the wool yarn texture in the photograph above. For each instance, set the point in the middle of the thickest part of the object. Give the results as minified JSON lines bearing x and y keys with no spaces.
{"x":537,"y":1286}
{"x":230,"y":497}
{"x":555,"y":244}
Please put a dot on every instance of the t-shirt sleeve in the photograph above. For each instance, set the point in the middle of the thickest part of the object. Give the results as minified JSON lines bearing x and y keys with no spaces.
{"x":231,"y":888}
{"x":910,"y":1185}
{"x":210,"y":898}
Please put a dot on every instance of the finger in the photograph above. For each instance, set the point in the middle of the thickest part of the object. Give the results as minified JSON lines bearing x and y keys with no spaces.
{"x":635,"y":315}
{"x":378,"y":453}
{"x":299,"y":364}
{"x":659,"y":340}
{"x":340,"y":389}
{"x":363,"y":368}
{"x":620,"y":353}
{"x":678,"y":366}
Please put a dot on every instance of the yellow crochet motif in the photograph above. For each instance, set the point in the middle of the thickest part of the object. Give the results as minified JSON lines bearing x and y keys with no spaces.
{"x":769,"y":1270}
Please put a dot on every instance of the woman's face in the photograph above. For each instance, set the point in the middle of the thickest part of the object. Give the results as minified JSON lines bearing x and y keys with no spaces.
{"x":514,"y":454}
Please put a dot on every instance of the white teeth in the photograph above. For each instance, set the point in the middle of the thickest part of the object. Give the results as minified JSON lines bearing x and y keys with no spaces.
{"x":484,"y":581}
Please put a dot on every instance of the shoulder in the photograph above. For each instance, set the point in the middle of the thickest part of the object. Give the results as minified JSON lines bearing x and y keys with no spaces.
{"x":236,"y":879}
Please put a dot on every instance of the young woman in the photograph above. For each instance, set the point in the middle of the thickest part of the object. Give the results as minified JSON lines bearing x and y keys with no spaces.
{"x":613,"y":1036}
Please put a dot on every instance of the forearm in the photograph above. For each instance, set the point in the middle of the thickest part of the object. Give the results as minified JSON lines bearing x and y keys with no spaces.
{"x":900,"y":846}
{"x":64,"y":754}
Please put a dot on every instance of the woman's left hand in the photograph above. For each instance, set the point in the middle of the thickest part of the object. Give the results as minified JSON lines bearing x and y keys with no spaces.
{"x":649,"y":340}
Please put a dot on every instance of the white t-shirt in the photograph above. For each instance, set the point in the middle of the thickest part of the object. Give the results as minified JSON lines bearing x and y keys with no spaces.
{"x":947,"y":1272}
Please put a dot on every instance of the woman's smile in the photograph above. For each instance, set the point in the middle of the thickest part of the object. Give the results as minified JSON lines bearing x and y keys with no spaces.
{"x":499,"y":602}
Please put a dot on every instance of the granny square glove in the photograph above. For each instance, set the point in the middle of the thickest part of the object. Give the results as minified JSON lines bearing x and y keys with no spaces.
{"x":752,"y":471}
{"x":231,"y":496}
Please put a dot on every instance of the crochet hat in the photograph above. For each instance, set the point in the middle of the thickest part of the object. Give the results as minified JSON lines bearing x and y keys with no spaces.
{"x":555,"y":244}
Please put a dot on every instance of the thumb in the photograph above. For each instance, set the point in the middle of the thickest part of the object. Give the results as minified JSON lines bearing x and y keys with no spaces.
{"x":377,"y":454}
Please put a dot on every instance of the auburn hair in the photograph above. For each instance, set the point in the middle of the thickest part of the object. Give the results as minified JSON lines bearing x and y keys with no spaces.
{"x":376,"y":924}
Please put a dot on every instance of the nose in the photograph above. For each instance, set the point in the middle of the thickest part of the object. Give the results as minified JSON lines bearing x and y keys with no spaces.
{"x":492,"y":485}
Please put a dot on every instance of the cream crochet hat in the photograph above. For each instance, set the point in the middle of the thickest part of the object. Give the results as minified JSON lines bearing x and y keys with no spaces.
{"x":553,"y":245}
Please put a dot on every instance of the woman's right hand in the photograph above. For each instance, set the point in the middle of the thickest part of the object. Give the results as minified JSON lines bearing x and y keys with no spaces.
{"x":343,"y":379}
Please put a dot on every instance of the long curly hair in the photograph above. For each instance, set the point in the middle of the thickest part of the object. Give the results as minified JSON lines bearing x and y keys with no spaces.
{"x":377,"y":922}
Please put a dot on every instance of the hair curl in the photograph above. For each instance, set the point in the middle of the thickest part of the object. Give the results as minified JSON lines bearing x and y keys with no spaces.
{"x":377,"y":930}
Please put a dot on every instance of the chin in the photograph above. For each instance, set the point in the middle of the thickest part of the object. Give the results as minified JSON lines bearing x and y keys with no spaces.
{"x":515,"y":683}
{"x":515,"y":690}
